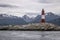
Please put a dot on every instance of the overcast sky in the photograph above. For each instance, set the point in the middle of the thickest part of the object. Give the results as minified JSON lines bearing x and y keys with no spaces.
{"x":29,"y":7}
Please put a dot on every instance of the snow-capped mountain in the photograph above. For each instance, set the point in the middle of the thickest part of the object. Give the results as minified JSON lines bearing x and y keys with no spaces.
{"x":2,"y":16}
{"x":11,"y":20}
{"x":51,"y":16}
{"x":27,"y":18}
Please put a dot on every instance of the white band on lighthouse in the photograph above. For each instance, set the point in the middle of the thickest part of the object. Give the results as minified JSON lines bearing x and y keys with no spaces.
{"x":43,"y":16}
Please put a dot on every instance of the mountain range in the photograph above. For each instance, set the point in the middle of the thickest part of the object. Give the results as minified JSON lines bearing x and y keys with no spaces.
{"x":49,"y":17}
{"x":14,"y":20}
{"x":11,"y":20}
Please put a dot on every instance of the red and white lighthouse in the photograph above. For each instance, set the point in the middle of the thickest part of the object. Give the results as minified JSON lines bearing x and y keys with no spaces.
{"x":43,"y":16}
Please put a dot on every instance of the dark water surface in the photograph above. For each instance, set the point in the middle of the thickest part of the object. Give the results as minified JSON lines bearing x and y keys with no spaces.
{"x":29,"y":35}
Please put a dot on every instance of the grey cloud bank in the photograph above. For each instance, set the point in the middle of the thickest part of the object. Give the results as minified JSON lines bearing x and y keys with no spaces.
{"x":29,"y":6}
{"x":7,"y":5}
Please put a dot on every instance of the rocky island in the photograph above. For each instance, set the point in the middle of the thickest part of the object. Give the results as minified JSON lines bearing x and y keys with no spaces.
{"x":32,"y":27}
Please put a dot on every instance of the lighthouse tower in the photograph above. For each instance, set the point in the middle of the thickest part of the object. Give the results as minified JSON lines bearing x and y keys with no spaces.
{"x":43,"y":16}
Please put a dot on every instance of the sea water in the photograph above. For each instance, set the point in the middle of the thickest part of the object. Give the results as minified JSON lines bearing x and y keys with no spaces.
{"x":29,"y":35}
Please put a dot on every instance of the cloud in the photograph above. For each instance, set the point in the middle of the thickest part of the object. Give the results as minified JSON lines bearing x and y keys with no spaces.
{"x":20,"y":7}
{"x":49,"y":1}
{"x":32,"y":13}
{"x":8,"y":5}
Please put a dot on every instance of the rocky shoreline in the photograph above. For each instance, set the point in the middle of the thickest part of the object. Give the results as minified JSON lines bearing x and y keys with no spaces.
{"x":33,"y":27}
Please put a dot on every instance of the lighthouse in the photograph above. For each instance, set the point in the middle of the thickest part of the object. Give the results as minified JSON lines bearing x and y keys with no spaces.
{"x":42,"y":16}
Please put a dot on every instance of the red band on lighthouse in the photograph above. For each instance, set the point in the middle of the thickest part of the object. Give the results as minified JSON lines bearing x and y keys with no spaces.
{"x":43,"y":16}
